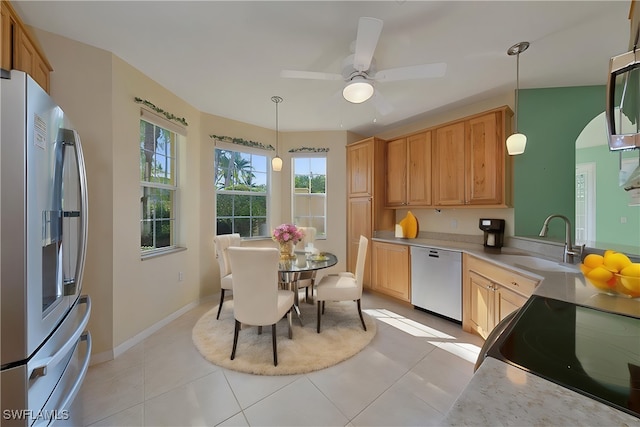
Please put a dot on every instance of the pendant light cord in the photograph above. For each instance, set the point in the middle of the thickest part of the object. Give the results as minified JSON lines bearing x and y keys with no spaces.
{"x":277,"y":101}
{"x":517,"y":86}
{"x":516,"y":50}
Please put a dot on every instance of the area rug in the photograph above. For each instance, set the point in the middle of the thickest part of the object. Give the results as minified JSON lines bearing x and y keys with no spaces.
{"x":340,"y":338}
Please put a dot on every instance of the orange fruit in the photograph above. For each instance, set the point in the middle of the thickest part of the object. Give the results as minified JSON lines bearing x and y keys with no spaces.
{"x":600,"y":274}
{"x":616,"y":261}
{"x":630,"y":279}
{"x":593,"y":260}
{"x":585,"y":269}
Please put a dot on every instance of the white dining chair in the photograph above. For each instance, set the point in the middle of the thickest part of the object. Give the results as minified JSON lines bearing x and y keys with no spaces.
{"x":257,"y":299}
{"x":307,"y":279}
{"x":223,"y":242}
{"x":344,"y":286}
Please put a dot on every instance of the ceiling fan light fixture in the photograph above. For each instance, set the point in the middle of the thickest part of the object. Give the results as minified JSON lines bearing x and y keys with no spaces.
{"x":357,"y":90}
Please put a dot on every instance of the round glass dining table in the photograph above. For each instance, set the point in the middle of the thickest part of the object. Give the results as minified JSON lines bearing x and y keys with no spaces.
{"x":290,"y":271}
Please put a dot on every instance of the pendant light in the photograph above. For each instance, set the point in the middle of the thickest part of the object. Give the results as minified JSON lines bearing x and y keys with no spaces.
{"x":517,"y":142}
{"x":276,"y":162}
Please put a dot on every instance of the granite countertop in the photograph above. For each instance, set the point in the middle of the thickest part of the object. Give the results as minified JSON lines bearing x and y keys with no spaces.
{"x":501,"y":394}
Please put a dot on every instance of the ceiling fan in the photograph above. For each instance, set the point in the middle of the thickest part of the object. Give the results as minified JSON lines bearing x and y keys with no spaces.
{"x":359,"y":69}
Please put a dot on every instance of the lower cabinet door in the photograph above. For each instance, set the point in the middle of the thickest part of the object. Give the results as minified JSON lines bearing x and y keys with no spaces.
{"x":481,"y":295}
{"x":391,"y":270}
{"x":505,"y":303}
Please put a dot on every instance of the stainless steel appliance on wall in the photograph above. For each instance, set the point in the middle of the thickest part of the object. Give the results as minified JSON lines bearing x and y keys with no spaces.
{"x":436,"y":281}
{"x":45,"y":349}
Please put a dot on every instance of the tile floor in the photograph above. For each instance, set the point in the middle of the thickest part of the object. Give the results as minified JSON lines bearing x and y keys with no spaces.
{"x":409,"y":375}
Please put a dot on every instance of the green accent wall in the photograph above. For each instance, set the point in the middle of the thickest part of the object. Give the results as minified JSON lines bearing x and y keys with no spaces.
{"x":544,"y":176}
{"x":612,"y":200}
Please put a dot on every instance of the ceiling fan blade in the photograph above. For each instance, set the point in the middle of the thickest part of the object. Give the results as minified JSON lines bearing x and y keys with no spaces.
{"x":382,"y":105}
{"x":369,"y":30}
{"x":423,"y":71}
{"x":313,"y":75}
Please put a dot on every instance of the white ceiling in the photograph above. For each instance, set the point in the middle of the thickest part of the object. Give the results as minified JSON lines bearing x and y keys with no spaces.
{"x":225,"y":58}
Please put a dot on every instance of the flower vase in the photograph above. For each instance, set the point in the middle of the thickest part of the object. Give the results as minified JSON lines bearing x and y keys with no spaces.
{"x":286,"y":251}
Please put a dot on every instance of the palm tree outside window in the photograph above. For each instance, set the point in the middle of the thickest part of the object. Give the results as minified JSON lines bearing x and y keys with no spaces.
{"x":241,"y":193}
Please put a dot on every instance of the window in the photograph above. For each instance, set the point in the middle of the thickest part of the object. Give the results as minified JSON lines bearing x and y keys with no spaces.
{"x":241,"y":193}
{"x":310,"y":194}
{"x":158,"y":187}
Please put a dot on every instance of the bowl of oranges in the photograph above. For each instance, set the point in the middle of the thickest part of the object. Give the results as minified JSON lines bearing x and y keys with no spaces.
{"x":612,"y":273}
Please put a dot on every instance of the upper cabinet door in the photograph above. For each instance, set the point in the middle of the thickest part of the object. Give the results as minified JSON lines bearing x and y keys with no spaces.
{"x":485,"y":160}
{"x":449,"y":165}
{"x":396,"y":175}
{"x":419,"y":169}
{"x":360,"y":169}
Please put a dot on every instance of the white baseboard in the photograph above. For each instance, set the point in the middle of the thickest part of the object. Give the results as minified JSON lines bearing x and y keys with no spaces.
{"x":138,"y":338}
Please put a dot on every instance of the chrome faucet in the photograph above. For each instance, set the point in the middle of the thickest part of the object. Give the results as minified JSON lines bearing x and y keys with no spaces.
{"x":569,"y":250}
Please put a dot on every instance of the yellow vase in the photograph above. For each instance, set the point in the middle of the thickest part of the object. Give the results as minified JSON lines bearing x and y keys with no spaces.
{"x":286,"y":251}
{"x":409,"y":226}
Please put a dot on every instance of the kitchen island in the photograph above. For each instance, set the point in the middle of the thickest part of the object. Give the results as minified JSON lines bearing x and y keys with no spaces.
{"x":502,"y":394}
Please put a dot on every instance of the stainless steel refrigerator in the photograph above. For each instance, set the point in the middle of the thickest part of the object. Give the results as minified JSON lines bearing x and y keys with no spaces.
{"x":44,"y":348}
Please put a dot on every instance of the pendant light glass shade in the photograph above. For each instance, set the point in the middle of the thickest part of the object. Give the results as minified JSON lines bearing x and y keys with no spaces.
{"x":276,"y":162}
{"x":517,"y":142}
{"x":358,"y":90}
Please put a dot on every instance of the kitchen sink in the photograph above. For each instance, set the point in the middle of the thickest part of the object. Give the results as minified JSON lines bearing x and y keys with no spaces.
{"x":536,"y":263}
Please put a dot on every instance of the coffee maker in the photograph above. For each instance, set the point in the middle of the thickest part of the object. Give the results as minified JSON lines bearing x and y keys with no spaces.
{"x":493,"y":232}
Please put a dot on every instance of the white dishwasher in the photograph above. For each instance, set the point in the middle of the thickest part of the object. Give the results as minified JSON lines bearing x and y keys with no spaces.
{"x":436,"y":281}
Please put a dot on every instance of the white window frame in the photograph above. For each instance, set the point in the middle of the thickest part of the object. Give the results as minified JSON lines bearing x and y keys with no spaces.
{"x":320,"y":235}
{"x":253,"y":152}
{"x":174,"y":220}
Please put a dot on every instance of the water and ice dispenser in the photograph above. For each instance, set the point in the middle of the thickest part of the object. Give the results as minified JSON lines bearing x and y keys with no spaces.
{"x":493,"y":232}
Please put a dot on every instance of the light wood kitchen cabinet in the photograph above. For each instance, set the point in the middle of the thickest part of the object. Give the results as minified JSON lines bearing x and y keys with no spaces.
{"x":365,"y":199}
{"x":470,"y":163}
{"x":7,"y":23}
{"x":448,"y":165}
{"x":408,"y":174}
{"x":490,"y":293}
{"x":359,"y":217}
{"x":391,"y":270}
{"x":20,"y":49}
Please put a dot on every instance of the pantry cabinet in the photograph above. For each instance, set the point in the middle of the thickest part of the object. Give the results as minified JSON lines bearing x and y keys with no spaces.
{"x":391,"y":270}
{"x":490,"y":293}
{"x":19,"y":48}
{"x":470,"y":163}
{"x":408,"y":174}
{"x":365,"y":199}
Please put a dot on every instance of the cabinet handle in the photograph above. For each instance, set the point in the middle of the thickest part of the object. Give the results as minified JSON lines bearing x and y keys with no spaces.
{"x":515,"y":283}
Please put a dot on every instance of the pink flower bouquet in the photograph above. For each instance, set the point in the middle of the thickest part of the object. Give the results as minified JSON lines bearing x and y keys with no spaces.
{"x":285,"y":233}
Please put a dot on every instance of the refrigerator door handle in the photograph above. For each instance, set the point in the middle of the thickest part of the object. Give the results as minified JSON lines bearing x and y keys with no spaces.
{"x":70,"y":138}
{"x":86,"y":336}
{"x":41,"y":366}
